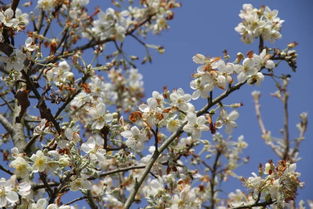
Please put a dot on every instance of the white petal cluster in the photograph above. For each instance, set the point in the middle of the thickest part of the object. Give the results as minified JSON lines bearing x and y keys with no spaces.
{"x":55,"y":206}
{"x":110,"y":24}
{"x":15,"y":22}
{"x":120,"y":133}
{"x":180,"y":100}
{"x":47,"y":4}
{"x":94,"y":147}
{"x":15,"y":61}
{"x":104,"y":90}
{"x":40,"y":161}
{"x":21,"y":166}
{"x":99,"y":116}
{"x":79,"y":3}
{"x":122,"y":89}
{"x":8,"y":197}
{"x":239,"y":198}
{"x":12,"y":190}
{"x":40,"y":204}
{"x":280,"y":182}
{"x":153,"y":187}
{"x":196,"y":125}
{"x":135,"y":138}
{"x":80,"y":183}
{"x":60,"y":75}
{"x":227,"y":119}
{"x":262,"y":22}
{"x":214,"y":72}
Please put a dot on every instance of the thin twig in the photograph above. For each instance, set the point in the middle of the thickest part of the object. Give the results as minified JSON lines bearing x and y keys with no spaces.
{"x":76,"y":200}
{"x":119,"y":170}
{"x":30,"y":143}
{"x":264,"y":131}
{"x":14,"y":5}
{"x":213,"y":175}
{"x":286,"y":125}
{"x":90,"y":201}
{"x":302,"y":129}
{"x":6,"y":170}
{"x":260,"y":204}
{"x":41,"y":186}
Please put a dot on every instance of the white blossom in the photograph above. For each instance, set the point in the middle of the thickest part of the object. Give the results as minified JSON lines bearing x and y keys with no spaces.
{"x":195,"y":125}
{"x":179,"y":99}
{"x":228,"y":119}
{"x":8,"y":197}
{"x":135,"y":138}
{"x":100,"y":116}
{"x":21,"y":166}
{"x":15,"y":61}
{"x":40,"y":204}
{"x":40,"y":161}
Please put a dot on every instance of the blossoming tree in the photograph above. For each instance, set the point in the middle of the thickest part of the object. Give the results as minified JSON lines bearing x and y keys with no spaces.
{"x":74,"y":123}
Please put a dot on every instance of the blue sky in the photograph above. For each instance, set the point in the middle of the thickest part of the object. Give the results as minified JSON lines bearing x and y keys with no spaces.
{"x":207,"y":27}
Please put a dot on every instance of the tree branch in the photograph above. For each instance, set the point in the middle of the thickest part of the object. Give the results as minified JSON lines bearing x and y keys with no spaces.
{"x":76,"y":200}
{"x":259,"y":204}
{"x":6,"y":124}
{"x":119,"y":170}
{"x":213,"y":175}
{"x":256,"y":99}
{"x":5,"y":170}
{"x":14,"y":5}
{"x":286,"y":124}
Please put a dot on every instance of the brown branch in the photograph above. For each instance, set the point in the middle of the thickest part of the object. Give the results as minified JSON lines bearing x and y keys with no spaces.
{"x":119,"y":170}
{"x":39,"y":26}
{"x":41,"y":186}
{"x":14,"y":5}
{"x":60,"y":187}
{"x":213,"y":175}
{"x":76,"y":200}
{"x":6,"y":170}
{"x":261,"y":44}
{"x":258,"y":204}
{"x":45,"y":112}
{"x":91,"y":201}
{"x":28,"y":146}
{"x":43,"y":178}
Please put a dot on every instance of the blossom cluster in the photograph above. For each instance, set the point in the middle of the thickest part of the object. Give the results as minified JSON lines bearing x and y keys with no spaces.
{"x":91,"y":105}
{"x":113,"y":24}
{"x":262,"y":22}
{"x":13,"y":21}
{"x":214,"y":72}
{"x":60,"y":75}
{"x":275,"y":184}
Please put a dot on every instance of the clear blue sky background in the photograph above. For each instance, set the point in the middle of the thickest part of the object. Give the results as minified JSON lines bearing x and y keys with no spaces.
{"x":207,"y":27}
